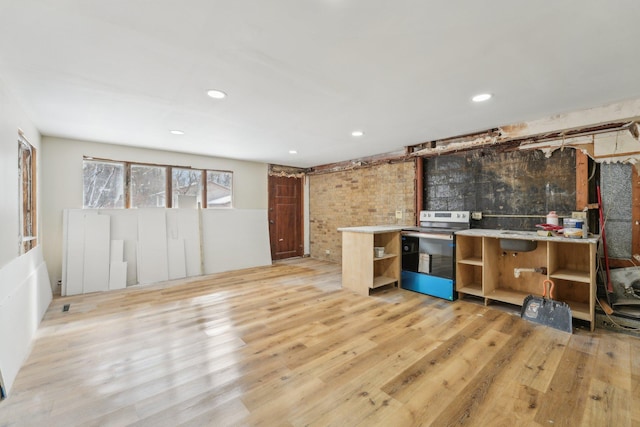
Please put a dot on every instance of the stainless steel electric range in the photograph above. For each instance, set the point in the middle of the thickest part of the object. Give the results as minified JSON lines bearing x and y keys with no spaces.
{"x":428,"y":253}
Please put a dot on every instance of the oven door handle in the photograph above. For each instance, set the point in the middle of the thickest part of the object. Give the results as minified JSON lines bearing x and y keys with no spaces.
{"x":433,"y":236}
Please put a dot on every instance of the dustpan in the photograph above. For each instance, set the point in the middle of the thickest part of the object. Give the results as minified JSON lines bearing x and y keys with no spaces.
{"x":546,"y":311}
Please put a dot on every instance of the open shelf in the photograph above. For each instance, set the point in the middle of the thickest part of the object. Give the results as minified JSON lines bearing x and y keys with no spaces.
{"x":471,"y":289}
{"x":385,"y":256}
{"x":382,"y":281}
{"x":579,"y":310}
{"x":471,"y":261}
{"x":507,"y":295}
{"x":573,"y":275}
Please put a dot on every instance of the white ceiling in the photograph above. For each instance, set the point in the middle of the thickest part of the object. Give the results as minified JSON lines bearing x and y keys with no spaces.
{"x":303,"y":74}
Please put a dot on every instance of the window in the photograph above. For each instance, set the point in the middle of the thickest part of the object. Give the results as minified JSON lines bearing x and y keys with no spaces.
{"x":148,"y":186}
{"x":103,"y":184}
{"x":219,"y":186}
{"x":186,"y":186}
{"x":117,"y":184}
{"x":27,"y":172}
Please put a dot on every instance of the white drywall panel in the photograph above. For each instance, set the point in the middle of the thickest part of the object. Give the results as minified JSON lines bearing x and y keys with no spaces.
{"x":152,"y":246}
{"x":72,"y":281}
{"x":65,"y":247}
{"x":117,"y":251}
{"x":234,"y":239}
{"x":117,"y":274}
{"x":131,"y":258}
{"x":22,"y":306}
{"x":97,"y":239}
{"x":124,"y":226}
{"x":176,"y":259}
{"x":124,"y":223}
{"x":185,"y":224}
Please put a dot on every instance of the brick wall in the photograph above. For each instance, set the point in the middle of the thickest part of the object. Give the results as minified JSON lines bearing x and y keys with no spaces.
{"x":365,"y":196}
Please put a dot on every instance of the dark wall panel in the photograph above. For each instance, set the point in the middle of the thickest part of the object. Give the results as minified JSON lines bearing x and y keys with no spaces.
{"x":520,"y":183}
{"x":616,"y":191}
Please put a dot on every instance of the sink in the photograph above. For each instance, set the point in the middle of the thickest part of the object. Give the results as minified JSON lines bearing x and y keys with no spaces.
{"x":518,"y":245}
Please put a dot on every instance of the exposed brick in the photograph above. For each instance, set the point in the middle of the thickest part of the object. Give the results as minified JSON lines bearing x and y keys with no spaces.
{"x":370,"y":197}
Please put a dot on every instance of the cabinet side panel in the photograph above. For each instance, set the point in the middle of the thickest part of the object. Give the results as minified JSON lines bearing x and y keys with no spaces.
{"x":357,"y":261}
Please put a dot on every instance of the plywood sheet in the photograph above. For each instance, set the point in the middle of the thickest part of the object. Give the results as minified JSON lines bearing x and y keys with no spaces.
{"x":97,"y":239}
{"x":152,"y":246}
{"x":234,"y":239}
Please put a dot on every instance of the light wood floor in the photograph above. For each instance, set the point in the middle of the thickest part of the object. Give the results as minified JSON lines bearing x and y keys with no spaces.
{"x":285,"y":345}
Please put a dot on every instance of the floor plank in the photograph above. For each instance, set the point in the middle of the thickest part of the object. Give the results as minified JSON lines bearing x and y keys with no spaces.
{"x":286,"y":345}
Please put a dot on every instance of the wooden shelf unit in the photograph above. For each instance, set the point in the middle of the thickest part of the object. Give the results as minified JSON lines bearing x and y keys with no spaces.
{"x":361,"y":270}
{"x":469,"y":266}
{"x":483,"y":269}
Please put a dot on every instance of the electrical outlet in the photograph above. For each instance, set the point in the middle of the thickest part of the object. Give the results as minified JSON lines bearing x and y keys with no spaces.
{"x":476,"y":215}
{"x":399,"y":214}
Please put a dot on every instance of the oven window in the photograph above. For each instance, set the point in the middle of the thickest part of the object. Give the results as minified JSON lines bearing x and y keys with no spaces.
{"x":428,"y":256}
{"x":436,"y":257}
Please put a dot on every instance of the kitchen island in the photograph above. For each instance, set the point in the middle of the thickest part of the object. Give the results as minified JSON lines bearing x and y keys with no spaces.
{"x":361,"y":269}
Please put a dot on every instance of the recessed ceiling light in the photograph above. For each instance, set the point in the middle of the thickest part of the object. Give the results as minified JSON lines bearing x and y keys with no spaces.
{"x":216,"y":94}
{"x":177,"y":132}
{"x":482,"y":97}
{"x":293,"y":152}
{"x":357,"y":133}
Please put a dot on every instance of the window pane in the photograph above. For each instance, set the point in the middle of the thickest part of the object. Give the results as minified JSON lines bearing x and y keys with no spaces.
{"x":219,"y":186}
{"x":148,"y":186}
{"x":186,"y":186}
{"x":103,"y":184}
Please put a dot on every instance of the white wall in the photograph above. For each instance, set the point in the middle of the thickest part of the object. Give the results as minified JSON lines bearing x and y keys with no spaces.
{"x":62,"y":183}
{"x":24,"y":287}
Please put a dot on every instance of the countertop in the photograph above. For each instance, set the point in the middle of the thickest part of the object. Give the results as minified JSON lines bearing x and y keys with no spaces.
{"x":475,"y":232}
{"x":523,"y":235}
{"x":374,"y":229}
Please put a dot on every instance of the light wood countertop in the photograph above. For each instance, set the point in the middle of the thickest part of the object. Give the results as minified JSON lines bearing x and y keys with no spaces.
{"x":523,"y":235}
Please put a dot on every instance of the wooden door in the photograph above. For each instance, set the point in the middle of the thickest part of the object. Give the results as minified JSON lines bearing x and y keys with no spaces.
{"x":285,"y":217}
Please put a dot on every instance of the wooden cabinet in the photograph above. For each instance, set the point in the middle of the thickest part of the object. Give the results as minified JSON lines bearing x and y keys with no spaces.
{"x":361,"y":269}
{"x":485,"y":270}
{"x":469,"y":266}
